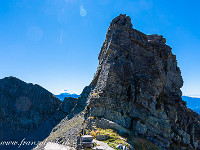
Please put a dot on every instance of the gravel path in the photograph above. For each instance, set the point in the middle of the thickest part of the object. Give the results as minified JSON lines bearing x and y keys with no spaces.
{"x":55,"y":146}
{"x":65,"y":133}
{"x":102,"y":145}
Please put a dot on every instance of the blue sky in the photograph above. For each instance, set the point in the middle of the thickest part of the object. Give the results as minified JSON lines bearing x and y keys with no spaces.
{"x":55,"y":43}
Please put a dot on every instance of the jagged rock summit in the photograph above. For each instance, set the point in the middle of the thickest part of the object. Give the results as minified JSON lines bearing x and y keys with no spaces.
{"x":137,"y":85}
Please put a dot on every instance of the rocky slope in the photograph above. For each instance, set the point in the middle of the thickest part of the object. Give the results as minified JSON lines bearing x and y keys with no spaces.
{"x":137,"y":85}
{"x":65,"y":133}
{"x":69,"y":129}
{"x":24,"y":106}
{"x":23,"y":109}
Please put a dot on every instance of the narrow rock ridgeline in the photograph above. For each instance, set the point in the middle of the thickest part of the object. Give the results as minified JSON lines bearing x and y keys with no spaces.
{"x":137,"y":85}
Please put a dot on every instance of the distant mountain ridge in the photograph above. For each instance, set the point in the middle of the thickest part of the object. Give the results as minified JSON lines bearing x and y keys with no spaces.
{"x":62,"y":96}
{"x":192,"y":103}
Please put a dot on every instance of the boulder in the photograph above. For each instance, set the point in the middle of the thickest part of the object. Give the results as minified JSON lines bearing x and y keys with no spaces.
{"x":102,"y":137}
{"x":87,"y":138}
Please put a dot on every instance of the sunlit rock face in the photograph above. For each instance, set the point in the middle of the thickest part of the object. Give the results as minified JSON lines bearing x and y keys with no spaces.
{"x":137,"y":85}
{"x":23,"y":107}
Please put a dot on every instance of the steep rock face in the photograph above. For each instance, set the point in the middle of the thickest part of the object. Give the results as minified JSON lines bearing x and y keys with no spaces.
{"x":137,"y":85}
{"x":23,"y":107}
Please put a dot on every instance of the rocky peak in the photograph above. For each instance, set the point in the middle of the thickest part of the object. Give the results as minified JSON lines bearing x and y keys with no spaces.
{"x":121,"y":20}
{"x":23,"y":107}
{"x":137,"y":85}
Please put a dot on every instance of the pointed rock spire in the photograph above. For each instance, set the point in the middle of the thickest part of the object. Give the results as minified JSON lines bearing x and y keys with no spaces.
{"x":122,"y":20}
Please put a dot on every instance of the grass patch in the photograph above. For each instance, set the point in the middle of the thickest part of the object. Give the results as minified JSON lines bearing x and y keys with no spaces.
{"x":113,"y":137}
{"x":95,"y":94}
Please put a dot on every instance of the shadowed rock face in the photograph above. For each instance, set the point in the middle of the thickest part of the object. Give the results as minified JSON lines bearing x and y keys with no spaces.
{"x":23,"y":108}
{"x":137,"y":85}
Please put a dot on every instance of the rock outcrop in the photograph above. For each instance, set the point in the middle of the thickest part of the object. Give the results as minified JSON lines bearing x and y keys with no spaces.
{"x":137,"y":85}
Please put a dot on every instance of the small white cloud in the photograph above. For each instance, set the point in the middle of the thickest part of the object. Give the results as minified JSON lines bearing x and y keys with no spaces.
{"x":83,"y":12}
{"x":68,"y":91}
{"x":194,"y":95}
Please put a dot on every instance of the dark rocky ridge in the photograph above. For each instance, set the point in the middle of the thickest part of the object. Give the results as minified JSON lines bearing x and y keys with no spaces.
{"x":26,"y":111}
{"x":137,"y":85}
{"x":24,"y":106}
